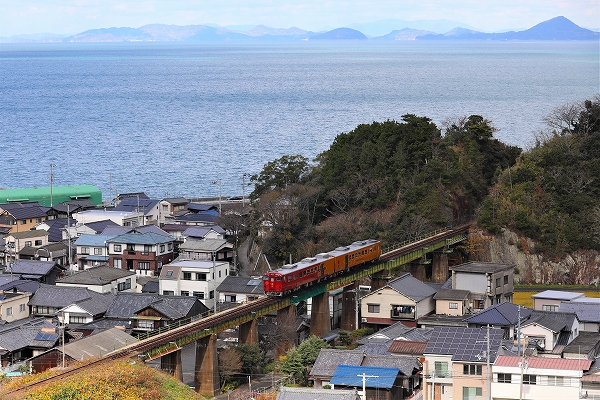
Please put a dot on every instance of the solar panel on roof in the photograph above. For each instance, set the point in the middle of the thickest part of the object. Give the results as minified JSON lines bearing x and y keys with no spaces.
{"x":46,"y":336}
{"x":253,"y":283}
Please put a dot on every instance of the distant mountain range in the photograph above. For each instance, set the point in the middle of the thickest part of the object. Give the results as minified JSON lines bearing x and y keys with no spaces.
{"x":559,"y":28}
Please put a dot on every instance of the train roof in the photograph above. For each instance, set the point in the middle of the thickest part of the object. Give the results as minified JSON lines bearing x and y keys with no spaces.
{"x":319,"y":258}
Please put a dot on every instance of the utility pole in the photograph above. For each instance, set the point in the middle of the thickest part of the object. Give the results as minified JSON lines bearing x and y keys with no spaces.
{"x":218,"y":181}
{"x":489,"y":384}
{"x":69,"y":233}
{"x":51,"y":180}
{"x":364,"y":383}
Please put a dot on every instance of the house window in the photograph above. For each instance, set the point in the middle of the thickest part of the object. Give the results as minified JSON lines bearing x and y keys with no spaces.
{"x":187,"y":276}
{"x":165,"y":207}
{"x":143,"y":265}
{"x":38,"y":220}
{"x":23,"y":221}
{"x":28,"y":243}
{"x":147,"y":248}
{"x":556,"y":381}
{"x":117,"y":247}
{"x":38,"y":242}
{"x":22,"y":307}
{"x":211,"y":295}
{"x":74,"y":319}
{"x":117,"y":262}
{"x":162,"y":248}
{"x":219,"y":273}
{"x":506,"y":279}
{"x":498,"y":282}
{"x":130,"y":247}
{"x":169,"y":273}
{"x":470,"y":393}
{"x":504,"y":378}
{"x":185,"y":293}
{"x":230,"y":298}
{"x":85,"y":250}
{"x":441,"y":369}
{"x":549,"y":307}
{"x":472,"y":369}
{"x":98,"y":251}
{"x":479,"y":304}
{"x":145,"y":324}
{"x":8,"y":311}
{"x":170,"y":246}
{"x":373,"y":308}
{"x":498,"y":299}
{"x":199,"y":295}
{"x":453,"y":306}
{"x":168,"y":293}
{"x":529,"y":379}
{"x":200,"y":277}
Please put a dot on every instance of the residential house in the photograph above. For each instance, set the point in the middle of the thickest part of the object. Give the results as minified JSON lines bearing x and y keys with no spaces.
{"x":208,"y":249}
{"x":379,"y":382}
{"x":116,"y":230}
{"x":549,"y":300}
{"x":204,"y":232}
{"x":123,"y":218}
{"x":489,"y":283}
{"x":144,"y":253}
{"x":456,"y":361}
{"x":21,"y":240}
{"x":542,"y":378}
{"x":21,"y":217}
{"x":294,"y":393}
{"x":452,"y":302}
{"x":26,"y":338}
{"x":102,"y":279}
{"x":590,"y":381}
{"x":586,"y":346}
{"x":48,"y":300}
{"x":203,"y":218}
{"x":193,"y":278}
{"x":146,"y":312}
{"x":407,"y":348}
{"x":504,"y":315}
{"x":176,"y":231}
{"x":551,"y":331}
{"x":381,"y":341}
{"x":85,"y":311}
{"x":13,"y":305}
{"x":93,"y":346}
{"x":587,"y":310}
{"x":147,"y":211}
{"x":90,"y":228}
{"x":172,"y":207}
{"x":56,"y":228}
{"x":327,"y":362}
{"x":239,"y":289}
{"x":404,"y":299}
{"x":91,"y":250}
{"x":40,"y":271}
{"x":67,"y":208}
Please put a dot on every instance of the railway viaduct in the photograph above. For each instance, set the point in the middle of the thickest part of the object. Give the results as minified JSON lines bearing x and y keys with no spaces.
{"x":167,"y":342}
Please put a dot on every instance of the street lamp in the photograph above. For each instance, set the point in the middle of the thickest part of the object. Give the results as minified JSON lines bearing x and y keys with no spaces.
{"x":218,"y":181}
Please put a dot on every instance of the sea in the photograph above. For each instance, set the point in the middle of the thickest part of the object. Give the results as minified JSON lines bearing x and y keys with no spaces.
{"x":197,"y":120}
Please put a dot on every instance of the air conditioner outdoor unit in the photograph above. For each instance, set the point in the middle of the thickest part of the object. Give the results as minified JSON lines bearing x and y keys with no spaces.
{"x":364,"y":320}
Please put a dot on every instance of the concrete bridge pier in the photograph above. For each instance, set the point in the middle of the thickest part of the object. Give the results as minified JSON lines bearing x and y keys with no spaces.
{"x":349,"y":308}
{"x":439,"y":267}
{"x":285,"y":330}
{"x":320,"y":317}
{"x":171,"y":363}
{"x":248,"y":333}
{"x":206,"y":378}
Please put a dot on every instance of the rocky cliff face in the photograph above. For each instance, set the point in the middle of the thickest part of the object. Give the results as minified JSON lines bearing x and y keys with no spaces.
{"x":579,"y":268}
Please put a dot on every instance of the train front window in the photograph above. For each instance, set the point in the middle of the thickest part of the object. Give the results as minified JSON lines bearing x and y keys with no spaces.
{"x":279,"y":278}
{"x":265,"y":278}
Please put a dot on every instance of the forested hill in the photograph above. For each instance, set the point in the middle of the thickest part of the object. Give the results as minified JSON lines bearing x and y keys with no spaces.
{"x":395,"y":180}
{"x":552,"y":194}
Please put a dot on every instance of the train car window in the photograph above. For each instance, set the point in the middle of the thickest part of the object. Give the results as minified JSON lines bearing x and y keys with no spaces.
{"x":295,"y":276}
{"x":371,"y":250}
{"x":265,"y":278}
{"x":289,"y":278}
{"x":279,"y":279}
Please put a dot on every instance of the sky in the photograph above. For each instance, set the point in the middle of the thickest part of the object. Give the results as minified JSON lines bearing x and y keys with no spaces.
{"x":74,"y":16}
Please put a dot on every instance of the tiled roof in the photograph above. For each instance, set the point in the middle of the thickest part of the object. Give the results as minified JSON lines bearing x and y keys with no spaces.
{"x":92,"y":240}
{"x":197,"y":207}
{"x":397,"y":331}
{"x":350,"y":375}
{"x":127,"y":305}
{"x":56,"y":228}
{"x":207,"y":245}
{"x":451,"y":294}
{"x":29,"y":212}
{"x":151,"y":287}
{"x":406,"y":364}
{"x":584,"y":343}
{"x":133,"y":204}
{"x":481,"y":267}
{"x":19,"y":334}
{"x":22,"y":285}
{"x":376,"y":348}
{"x":586,"y":312}
{"x":464,"y":344}
{"x":545,"y":363}
{"x":557,"y":295}
{"x":74,"y":205}
{"x":175,"y":227}
{"x":98,"y":345}
{"x":61,"y":296}
{"x":19,"y":204}
{"x":141,"y":238}
{"x":201,"y":231}
{"x":98,"y":304}
{"x":32,"y":267}
{"x":293,"y":393}
{"x":411,"y":287}
{"x":241,"y":285}
{"x":328,"y":360}
{"x":176,"y":200}
{"x":101,"y":275}
{"x":408,"y":347}
{"x":192,"y":217}
{"x":29,"y":234}
{"x":503,"y":314}
{"x":546,"y":321}
{"x":100,"y":226}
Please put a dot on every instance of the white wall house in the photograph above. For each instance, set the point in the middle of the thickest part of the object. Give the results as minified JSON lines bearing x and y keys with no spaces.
{"x":543,"y":378}
{"x":102,"y":279}
{"x":13,"y":306}
{"x":193,"y":278}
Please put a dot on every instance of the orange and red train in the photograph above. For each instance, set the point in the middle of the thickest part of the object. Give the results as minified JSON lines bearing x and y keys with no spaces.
{"x":292,"y":277}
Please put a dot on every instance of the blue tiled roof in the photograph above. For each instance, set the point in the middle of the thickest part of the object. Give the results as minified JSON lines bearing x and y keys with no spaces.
{"x":141,"y":238}
{"x":92,"y":240}
{"x":377,"y":377}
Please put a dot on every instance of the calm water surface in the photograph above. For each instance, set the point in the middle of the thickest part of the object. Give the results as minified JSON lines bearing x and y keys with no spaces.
{"x":170,"y":119}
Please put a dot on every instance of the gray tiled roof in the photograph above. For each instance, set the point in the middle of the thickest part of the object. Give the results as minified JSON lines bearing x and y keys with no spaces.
{"x":451,"y":294}
{"x":241,"y":285}
{"x":197,"y":207}
{"x":32,"y":267}
{"x":546,"y":321}
{"x":328,"y":360}
{"x":29,"y":234}
{"x":100,"y":226}
{"x":29,"y":212}
{"x":396,"y":331}
{"x":127,"y":305}
{"x":464,"y":344}
{"x":98,"y":304}
{"x":379,"y":348}
{"x":61,"y":296}
{"x":406,"y":364}
{"x":411,"y":287}
{"x":205,"y":245}
{"x":201,"y":231}
{"x":292,"y":393}
{"x":101,"y":275}
{"x":565,"y":318}
{"x":98,"y":345}
{"x":191,"y":217}
{"x":586,"y":312}
{"x":503,"y":314}
{"x":20,"y":334}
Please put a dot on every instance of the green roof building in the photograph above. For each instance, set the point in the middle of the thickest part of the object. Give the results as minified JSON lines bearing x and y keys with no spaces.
{"x":59,"y":194}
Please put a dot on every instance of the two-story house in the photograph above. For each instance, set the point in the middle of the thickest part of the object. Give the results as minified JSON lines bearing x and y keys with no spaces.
{"x":193,"y":278}
{"x":239,"y":289}
{"x":489,"y":283}
{"x":171,"y":207}
{"x":146,"y":211}
{"x":207,"y":249}
{"x":13,"y":305}
{"x":456,"y":360}
{"x":18,"y":241}
{"x":144,"y":253}
{"x":91,"y":250}
{"x":102,"y":279}
{"x":404,"y":299}
{"x":22,"y":216}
